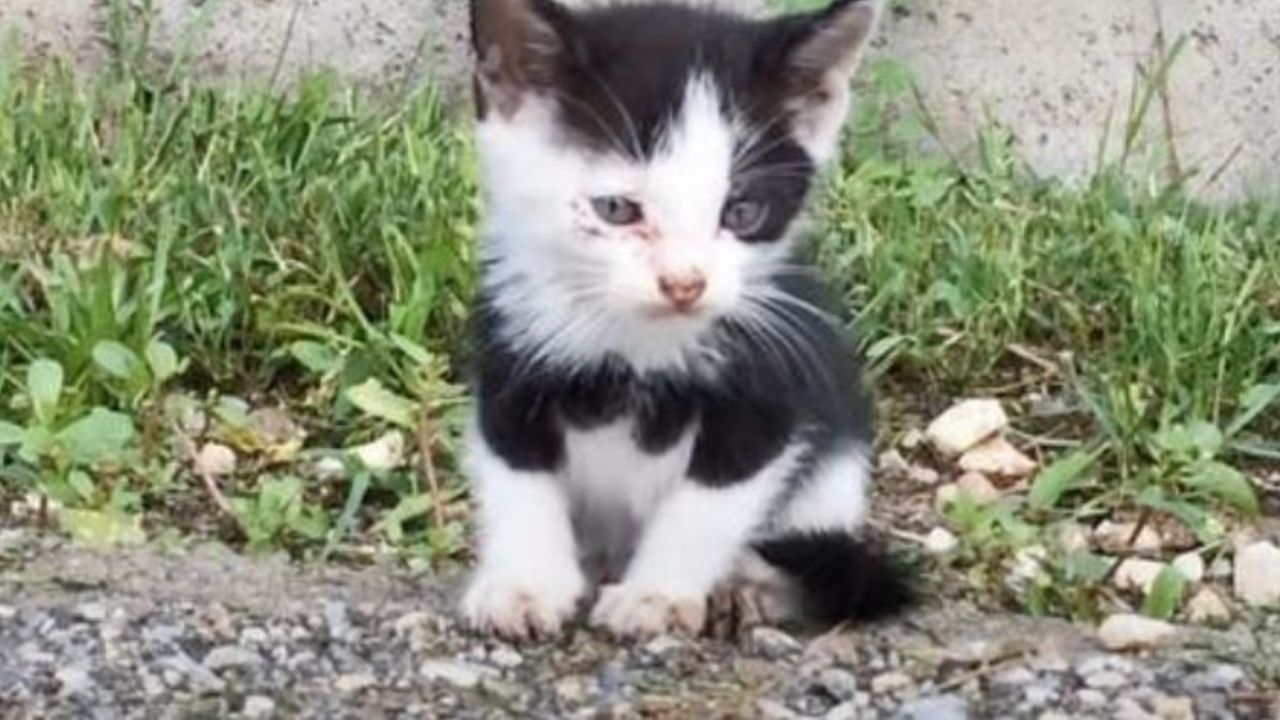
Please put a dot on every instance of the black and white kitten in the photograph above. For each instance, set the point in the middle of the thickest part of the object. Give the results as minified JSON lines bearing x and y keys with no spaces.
{"x":665,"y":406}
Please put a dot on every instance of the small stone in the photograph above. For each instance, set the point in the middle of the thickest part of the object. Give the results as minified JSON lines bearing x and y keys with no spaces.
{"x":891,"y":682}
{"x":1053,"y":715}
{"x":997,"y":457}
{"x":1028,"y":566}
{"x":1014,"y":677}
{"x":1174,"y":708}
{"x":1089,"y":697}
{"x":767,"y":709}
{"x":1220,"y":569}
{"x":231,"y":656}
{"x":253,"y":636}
{"x":215,"y":460}
{"x":923,"y":476}
{"x":1257,"y":574}
{"x":8,"y":612}
{"x":892,"y":464}
{"x":946,"y":495}
{"x":1191,"y":566}
{"x":1114,"y":537}
{"x":385,"y":454}
{"x":940,"y":541}
{"x":912,"y":439}
{"x":1207,"y":607}
{"x":92,"y":612}
{"x":1106,"y":680}
{"x":978,"y":488}
{"x":351,"y":683}
{"x":258,"y":707}
{"x":74,"y":681}
{"x":330,"y":469}
{"x":966,"y":424}
{"x":1137,"y":574}
{"x":453,"y":672}
{"x":1220,"y":676}
{"x":1072,"y":537}
{"x":338,"y":620}
{"x":1127,"y":631}
{"x":938,"y":707}
{"x":505,"y":657}
{"x":839,"y":683}
{"x":1127,"y":708}
{"x":844,"y":711}
{"x":773,"y":643}
{"x":571,"y":690}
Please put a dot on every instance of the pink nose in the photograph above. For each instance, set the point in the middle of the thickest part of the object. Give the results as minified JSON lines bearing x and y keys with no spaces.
{"x":683,"y":289}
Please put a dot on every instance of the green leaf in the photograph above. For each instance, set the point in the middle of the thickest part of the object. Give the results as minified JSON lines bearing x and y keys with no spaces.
{"x":11,"y":434}
{"x":372,"y":398}
{"x":413,"y":506}
{"x":1206,"y":438}
{"x":82,"y":484}
{"x":1166,"y":594}
{"x":102,"y":529}
{"x":317,"y":358}
{"x":162,"y":360}
{"x":117,"y":360}
{"x":44,"y":385}
{"x":100,"y":435}
{"x":1225,"y":483}
{"x":1206,"y":529}
{"x":1060,"y":477}
{"x":1257,"y":399}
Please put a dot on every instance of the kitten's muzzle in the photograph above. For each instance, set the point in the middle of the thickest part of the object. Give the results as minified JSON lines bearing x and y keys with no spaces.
{"x":683,"y":289}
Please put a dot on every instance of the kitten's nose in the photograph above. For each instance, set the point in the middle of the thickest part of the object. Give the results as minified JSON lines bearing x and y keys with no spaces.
{"x":684,"y":288}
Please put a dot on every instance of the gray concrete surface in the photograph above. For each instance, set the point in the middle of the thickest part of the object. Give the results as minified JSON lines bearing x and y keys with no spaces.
{"x":1052,"y":72}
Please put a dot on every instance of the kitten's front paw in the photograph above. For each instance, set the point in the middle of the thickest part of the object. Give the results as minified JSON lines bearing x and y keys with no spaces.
{"x":519,"y":611}
{"x":630,"y":613}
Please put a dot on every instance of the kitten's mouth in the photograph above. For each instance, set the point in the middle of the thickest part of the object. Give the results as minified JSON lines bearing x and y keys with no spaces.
{"x":671,"y":312}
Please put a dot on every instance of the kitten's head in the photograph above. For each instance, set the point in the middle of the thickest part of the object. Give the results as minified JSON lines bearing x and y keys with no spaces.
{"x":643,"y":164}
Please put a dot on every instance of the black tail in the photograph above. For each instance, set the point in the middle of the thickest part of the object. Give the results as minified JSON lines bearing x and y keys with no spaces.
{"x":842,"y":577}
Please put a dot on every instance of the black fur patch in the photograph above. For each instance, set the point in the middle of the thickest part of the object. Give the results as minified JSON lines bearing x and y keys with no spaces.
{"x":841,"y":577}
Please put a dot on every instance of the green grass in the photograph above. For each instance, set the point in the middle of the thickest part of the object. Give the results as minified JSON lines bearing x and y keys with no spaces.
{"x":174,"y":258}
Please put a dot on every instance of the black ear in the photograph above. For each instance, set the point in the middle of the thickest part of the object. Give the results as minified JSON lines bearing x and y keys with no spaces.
{"x":816,"y":54}
{"x":519,"y":46}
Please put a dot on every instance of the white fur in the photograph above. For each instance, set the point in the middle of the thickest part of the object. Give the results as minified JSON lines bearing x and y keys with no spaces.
{"x":575,"y":288}
{"x":832,"y":498}
{"x":529,"y":580}
{"x":693,"y":542}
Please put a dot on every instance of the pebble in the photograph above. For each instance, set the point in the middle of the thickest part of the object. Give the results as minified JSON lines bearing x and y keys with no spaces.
{"x":231,"y":656}
{"x":258,"y":707}
{"x":966,"y":424}
{"x":997,"y":457}
{"x":1207,"y":607}
{"x":74,"y":681}
{"x":338,"y":620}
{"x":351,"y":683}
{"x":1113,"y":537}
{"x":923,"y":476}
{"x":892,"y":464}
{"x":891,"y":682}
{"x":1217,"y":677}
{"x":978,"y":488}
{"x":92,"y":612}
{"x":8,"y":612}
{"x":215,"y":460}
{"x":839,"y":683}
{"x":1174,"y":708}
{"x":1126,"y":631}
{"x":844,"y":711}
{"x":1191,"y":565}
{"x":939,"y":707}
{"x":1137,"y":574}
{"x":912,"y":439}
{"x":1257,"y":574}
{"x":505,"y":657}
{"x":385,"y":454}
{"x":1090,"y":697}
{"x":1106,"y":680}
{"x":767,"y":709}
{"x":940,"y":541}
{"x":571,"y":690}
{"x":773,"y":643}
{"x":453,"y":672}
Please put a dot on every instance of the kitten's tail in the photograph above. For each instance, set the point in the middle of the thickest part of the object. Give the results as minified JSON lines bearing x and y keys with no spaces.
{"x":840,"y":576}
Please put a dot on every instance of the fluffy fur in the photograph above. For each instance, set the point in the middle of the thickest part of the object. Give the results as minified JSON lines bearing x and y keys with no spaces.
{"x":665,"y":404}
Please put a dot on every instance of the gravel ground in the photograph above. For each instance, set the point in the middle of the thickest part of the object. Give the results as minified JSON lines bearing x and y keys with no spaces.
{"x":206,"y":633}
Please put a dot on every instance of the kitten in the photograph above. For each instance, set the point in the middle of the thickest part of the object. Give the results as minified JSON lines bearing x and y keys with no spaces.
{"x":665,"y":408}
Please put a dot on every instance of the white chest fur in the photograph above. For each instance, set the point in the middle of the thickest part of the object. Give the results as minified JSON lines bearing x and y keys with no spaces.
{"x":615,"y":485}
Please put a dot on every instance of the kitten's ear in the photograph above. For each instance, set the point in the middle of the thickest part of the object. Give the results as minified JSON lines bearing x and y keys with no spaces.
{"x":819,"y":52}
{"x":519,"y":45}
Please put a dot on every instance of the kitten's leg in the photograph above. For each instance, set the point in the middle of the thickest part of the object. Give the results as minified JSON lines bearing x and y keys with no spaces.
{"x":529,"y":581}
{"x":690,"y":545}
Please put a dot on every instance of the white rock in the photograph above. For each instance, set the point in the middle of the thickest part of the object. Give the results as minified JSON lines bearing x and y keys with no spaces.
{"x":1173,"y":708}
{"x":1028,"y":566}
{"x":940,"y":541}
{"x":966,"y":424}
{"x":1137,"y":574}
{"x":330,"y":469}
{"x":978,"y":488}
{"x":384,"y":454}
{"x":1127,"y":631}
{"x":912,"y":439}
{"x":890,"y":682}
{"x":505,"y":657}
{"x":231,"y":656}
{"x":215,"y":460}
{"x":1257,"y":574}
{"x":997,"y":457}
{"x":1207,"y":607}
{"x":923,"y":475}
{"x":946,"y":495}
{"x":1191,"y":565}
{"x":774,"y":643}
{"x":892,"y":464}
{"x":258,"y":707}
{"x":455,"y":672}
{"x":351,"y":683}
{"x":1073,"y":537}
{"x":1114,"y":537}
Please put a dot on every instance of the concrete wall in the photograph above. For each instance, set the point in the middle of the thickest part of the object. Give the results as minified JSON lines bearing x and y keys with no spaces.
{"x":1052,"y":71}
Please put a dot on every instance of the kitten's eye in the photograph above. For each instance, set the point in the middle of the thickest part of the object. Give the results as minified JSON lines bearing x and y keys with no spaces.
{"x":744,"y":217}
{"x":617,"y":210}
